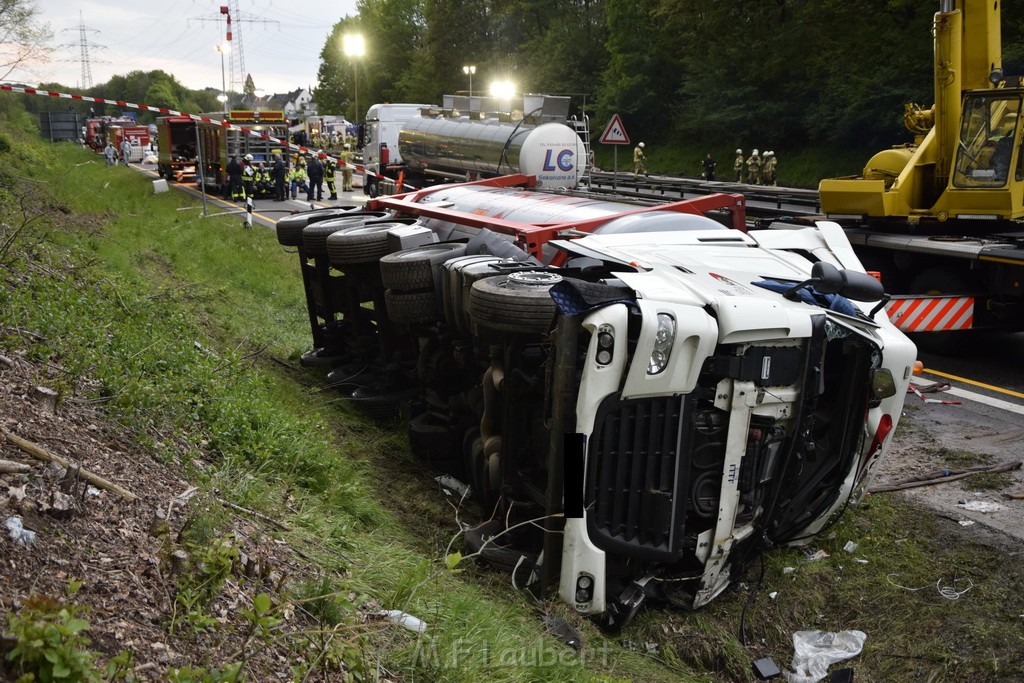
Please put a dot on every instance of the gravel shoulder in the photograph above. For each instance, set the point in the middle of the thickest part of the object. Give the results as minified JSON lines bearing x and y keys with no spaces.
{"x":932,"y":437}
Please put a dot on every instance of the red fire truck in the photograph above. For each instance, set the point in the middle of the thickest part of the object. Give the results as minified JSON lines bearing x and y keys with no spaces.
{"x":217,"y":144}
{"x":176,"y":147}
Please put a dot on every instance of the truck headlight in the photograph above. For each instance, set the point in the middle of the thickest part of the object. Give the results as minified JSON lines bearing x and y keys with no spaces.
{"x":663,"y":340}
{"x":605,"y":344}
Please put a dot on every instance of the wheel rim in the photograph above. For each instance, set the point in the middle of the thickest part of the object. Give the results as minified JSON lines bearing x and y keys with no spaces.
{"x":532,"y":279}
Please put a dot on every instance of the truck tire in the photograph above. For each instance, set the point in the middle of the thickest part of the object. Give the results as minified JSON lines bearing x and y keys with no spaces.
{"x":518,"y":302}
{"x":372,"y":188}
{"x":411,"y":308}
{"x":314,"y":237}
{"x":413,"y":269}
{"x":360,"y":244}
{"x":289,"y":229}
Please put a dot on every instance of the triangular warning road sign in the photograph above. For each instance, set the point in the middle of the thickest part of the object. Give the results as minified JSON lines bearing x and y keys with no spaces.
{"x":615,"y":133}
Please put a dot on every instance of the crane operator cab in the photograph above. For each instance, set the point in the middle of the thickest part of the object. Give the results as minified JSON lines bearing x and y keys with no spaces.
{"x":988,"y":130}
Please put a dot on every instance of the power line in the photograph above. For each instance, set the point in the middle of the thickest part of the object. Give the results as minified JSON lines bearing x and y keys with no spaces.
{"x":233,"y":37}
{"x":83,"y":48}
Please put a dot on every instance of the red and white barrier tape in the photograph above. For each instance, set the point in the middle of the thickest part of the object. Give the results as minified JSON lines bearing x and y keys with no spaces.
{"x":932,"y":400}
{"x":195,"y":117}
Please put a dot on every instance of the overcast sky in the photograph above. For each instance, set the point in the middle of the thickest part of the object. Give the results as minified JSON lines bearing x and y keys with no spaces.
{"x":281,"y":40}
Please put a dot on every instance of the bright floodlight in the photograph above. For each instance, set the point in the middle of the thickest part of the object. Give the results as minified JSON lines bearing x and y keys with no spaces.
{"x":224,"y":48}
{"x":353,"y":45}
{"x":504,"y":90}
{"x":222,"y":97}
{"x":469,"y":69}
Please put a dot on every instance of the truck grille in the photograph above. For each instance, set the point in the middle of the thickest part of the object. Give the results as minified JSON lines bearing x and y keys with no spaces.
{"x":635,"y":493}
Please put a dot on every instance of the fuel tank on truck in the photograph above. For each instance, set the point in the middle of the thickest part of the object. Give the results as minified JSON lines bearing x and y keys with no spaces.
{"x":552,"y":152}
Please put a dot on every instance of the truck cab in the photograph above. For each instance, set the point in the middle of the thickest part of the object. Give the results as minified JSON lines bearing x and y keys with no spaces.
{"x":380,"y":138}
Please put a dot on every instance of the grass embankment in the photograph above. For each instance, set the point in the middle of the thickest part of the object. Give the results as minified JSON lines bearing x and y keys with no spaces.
{"x":175,"y":321}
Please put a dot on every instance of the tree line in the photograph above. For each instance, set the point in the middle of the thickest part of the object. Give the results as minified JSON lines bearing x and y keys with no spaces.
{"x":800,"y":72}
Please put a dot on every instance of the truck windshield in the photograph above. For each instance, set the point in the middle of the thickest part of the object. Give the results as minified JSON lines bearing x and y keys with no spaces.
{"x":987,"y":133}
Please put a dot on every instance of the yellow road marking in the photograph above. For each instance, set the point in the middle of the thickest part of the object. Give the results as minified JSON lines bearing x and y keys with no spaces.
{"x":1000,"y":390}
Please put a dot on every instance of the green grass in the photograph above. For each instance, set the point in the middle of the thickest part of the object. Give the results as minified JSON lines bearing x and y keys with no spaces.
{"x":173,"y":321}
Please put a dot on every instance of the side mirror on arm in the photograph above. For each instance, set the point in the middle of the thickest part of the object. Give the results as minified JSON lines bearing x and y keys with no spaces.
{"x":825,"y":278}
{"x":860,"y":286}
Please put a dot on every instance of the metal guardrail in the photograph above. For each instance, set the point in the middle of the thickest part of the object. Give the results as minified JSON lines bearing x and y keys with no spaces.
{"x":762,"y":201}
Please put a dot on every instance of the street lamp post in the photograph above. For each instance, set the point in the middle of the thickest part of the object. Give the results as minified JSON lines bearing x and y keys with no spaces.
{"x":354,"y":47}
{"x":223,"y":49}
{"x":259,"y":93}
{"x":469,"y":71}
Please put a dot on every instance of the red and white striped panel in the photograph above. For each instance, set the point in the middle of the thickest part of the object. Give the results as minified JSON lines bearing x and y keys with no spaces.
{"x":931,"y":313}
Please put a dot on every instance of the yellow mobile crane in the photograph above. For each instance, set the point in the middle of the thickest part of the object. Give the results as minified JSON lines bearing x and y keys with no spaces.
{"x":940,"y":218}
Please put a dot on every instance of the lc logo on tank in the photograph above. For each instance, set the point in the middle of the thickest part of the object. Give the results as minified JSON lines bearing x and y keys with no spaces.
{"x":563,"y":160}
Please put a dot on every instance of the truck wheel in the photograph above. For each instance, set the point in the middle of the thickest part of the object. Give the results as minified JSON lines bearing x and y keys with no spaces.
{"x":518,"y":302}
{"x":941,"y":280}
{"x":289,"y":228}
{"x":482,"y":473}
{"x":314,"y":237}
{"x":411,"y":308}
{"x":412,"y":269}
{"x":373,"y":188}
{"x":361,"y":244}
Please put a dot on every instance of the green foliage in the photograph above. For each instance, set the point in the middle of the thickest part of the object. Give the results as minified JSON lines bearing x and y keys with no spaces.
{"x":50,"y":643}
{"x":188,"y":674}
{"x":209,"y":566}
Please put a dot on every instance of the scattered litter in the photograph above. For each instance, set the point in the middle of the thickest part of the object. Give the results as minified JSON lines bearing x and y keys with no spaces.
{"x":19,"y":534}
{"x":92,"y":490}
{"x":860,"y":560}
{"x":952,"y":592}
{"x":966,"y":522}
{"x":563,"y":631}
{"x":850,"y":547}
{"x":815,"y":651}
{"x":933,"y":388}
{"x":407,"y":620}
{"x":766,"y":669}
{"x":788,"y":570}
{"x":815,"y":555}
{"x":773,"y":594}
{"x":981,"y":506}
{"x":450,"y":483}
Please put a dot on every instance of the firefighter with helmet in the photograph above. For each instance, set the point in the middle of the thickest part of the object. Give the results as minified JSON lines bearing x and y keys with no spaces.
{"x":248,"y":177}
{"x":754,"y":168}
{"x":639,"y":161}
{"x":737,"y":166}
{"x":347,"y":158}
{"x":330,"y":168}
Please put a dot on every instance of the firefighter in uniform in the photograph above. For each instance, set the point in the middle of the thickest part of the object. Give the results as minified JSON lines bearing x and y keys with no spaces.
{"x":348,"y":158}
{"x":249,"y":178}
{"x":234,"y":170}
{"x":768,"y":170}
{"x":330,"y":167}
{"x":264,"y":182}
{"x":298,"y":178}
{"x":279,"y":172}
{"x":315,"y":172}
{"x":737,"y":166}
{"x":639,"y":161}
{"x":754,"y":168}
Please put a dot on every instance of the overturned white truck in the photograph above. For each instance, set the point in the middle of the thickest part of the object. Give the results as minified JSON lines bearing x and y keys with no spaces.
{"x":643,"y":398}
